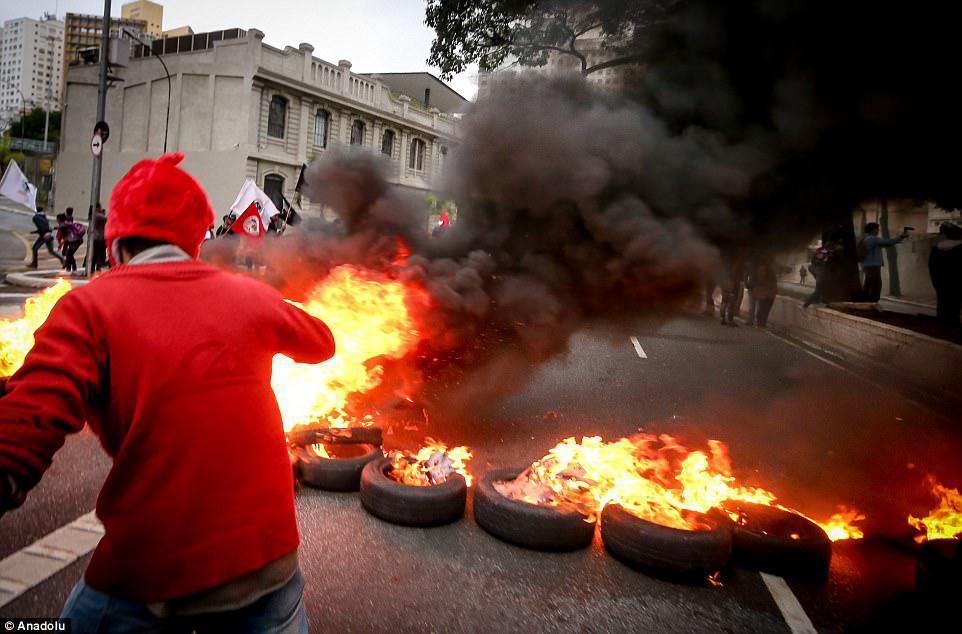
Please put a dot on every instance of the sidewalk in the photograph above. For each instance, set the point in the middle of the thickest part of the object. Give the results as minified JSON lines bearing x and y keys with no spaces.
{"x":896,"y":305}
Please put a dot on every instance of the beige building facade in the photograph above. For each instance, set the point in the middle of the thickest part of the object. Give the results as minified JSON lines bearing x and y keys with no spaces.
{"x":150,"y":12}
{"x":242,"y":109}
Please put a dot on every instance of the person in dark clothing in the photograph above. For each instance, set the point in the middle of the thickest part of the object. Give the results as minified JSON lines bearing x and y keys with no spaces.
{"x":945,"y":269}
{"x":823,"y":261}
{"x":732,"y":290}
{"x":764,"y":286}
{"x":44,"y":237}
{"x":72,"y":234}
{"x":224,"y":228}
{"x":872,"y":261}
{"x":802,"y":274}
{"x":100,"y":243}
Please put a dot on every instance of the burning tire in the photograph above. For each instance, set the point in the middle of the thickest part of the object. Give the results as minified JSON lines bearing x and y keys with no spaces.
{"x":302,"y":436}
{"x":389,"y":500}
{"x":938,"y":566}
{"x":670,"y":552}
{"x":528,"y":525}
{"x":340,"y":471}
{"x":779,"y":541}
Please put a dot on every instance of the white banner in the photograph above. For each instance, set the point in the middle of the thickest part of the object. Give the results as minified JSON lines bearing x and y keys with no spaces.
{"x":15,"y":186}
{"x":249,"y":193}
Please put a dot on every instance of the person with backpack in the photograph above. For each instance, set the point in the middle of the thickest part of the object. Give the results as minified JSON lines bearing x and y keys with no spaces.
{"x":822,"y":262}
{"x":72,"y":233}
{"x":44,"y":237}
{"x":870,"y":255}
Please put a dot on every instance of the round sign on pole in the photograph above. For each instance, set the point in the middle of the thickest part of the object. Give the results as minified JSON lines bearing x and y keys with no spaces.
{"x":96,"y":145}
{"x":103,"y":130}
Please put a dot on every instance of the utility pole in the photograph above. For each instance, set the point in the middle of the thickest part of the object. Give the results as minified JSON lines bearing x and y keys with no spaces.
{"x":98,"y":159}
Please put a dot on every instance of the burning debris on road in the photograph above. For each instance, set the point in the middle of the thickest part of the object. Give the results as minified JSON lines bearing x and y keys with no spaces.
{"x":944,"y":521}
{"x":16,"y":335}
{"x":653,"y":477}
{"x":430,"y":465}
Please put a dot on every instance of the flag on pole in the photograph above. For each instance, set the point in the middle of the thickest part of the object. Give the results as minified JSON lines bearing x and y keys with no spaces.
{"x":15,"y":186}
{"x":250,"y":224}
{"x":251,"y":193}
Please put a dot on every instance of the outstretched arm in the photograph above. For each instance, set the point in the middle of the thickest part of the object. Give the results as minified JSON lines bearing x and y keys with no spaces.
{"x":45,"y":399}
{"x":302,"y":337}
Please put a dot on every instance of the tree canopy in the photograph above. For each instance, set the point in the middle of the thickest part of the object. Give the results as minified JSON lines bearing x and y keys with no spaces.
{"x":33,"y":126}
{"x":489,"y":32}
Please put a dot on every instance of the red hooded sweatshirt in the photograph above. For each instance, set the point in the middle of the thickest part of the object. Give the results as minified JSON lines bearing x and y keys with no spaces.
{"x":170,"y":364}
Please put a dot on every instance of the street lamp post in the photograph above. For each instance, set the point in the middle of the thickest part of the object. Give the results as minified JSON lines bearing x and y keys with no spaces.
{"x":160,"y":58}
{"x":98,"y":159}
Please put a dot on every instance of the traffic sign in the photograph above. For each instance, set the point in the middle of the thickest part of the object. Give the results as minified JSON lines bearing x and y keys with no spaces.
{"x":103,"y":130}
{"x":96,"y":145}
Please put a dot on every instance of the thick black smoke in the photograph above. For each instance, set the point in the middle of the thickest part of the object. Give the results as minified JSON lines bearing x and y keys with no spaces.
{"x":756,"y":125}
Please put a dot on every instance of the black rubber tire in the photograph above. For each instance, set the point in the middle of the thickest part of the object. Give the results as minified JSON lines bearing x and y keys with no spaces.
{"x":407,"y":505}
{"x":766,"y":544}
{"x":334,"y":474}
{"x":938,"y":567}
{"x":527,"y":525}
{"x":302,"y":436}
{"x":673,"y":553}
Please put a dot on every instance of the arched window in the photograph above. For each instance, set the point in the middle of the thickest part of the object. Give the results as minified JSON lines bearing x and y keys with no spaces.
{"x":357,"y":132}
{"x":416,"y":158}
{"x":321,"y":120}
{"x":387,"y":143}
{"x":277,"y":117}
{"x":274,"y":188}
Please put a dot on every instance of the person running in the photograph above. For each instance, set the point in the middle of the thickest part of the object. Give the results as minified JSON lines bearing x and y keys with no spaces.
{"x":169,"y":362}
{"x":44,"y":237}
{"x":72,"y":235}
{"x":822,"y":267}
{"x":945,"y":269}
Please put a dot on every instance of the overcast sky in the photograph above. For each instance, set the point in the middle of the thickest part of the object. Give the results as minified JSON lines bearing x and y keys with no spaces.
{"x":374,"y":35}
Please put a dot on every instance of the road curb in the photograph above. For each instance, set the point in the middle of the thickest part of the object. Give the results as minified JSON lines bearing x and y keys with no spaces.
{"x":919,"y":358}
{"x":34,"y":279}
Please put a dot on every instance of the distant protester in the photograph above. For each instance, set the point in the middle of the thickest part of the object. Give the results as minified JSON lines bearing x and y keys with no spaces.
{"x":100,"y":242}
{"x":822,"y":267}
{"x":72,"y":234}
{"x":44,"y":237}
{"x":763,"y":281}
{"x":871,"y":258}
{"x":945,"y":268}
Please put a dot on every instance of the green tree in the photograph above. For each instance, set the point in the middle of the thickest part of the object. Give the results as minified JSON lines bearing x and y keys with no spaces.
{"x":33,"y":125}
{"x":488,"y":32}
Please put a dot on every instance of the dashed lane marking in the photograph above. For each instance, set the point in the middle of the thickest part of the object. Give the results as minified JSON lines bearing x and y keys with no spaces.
{"x":638,"y":348}
{"x":47,"y":556}
{"x":788,"y":605}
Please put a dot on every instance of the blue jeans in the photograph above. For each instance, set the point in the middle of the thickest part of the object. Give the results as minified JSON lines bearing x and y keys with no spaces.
{"x":280,"y":612}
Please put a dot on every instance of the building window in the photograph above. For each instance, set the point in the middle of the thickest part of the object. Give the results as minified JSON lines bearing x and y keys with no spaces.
{"x":321,"y":119}
{"x":277,"y":117}
{"x":416,"y":158}
{"x":387,"y":143}
{"x":357,"y":132}
{"x":274,"y":188}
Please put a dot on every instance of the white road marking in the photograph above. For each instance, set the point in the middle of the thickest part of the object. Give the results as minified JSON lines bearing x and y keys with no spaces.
{"x":791,"y":609}
{"x":47,"y":556}
{"x":638,"y":348}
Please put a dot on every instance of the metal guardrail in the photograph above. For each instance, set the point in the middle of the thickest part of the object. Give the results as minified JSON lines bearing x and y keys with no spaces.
{"x":31,"y":145}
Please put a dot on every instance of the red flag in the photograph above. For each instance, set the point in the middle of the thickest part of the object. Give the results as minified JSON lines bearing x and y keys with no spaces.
{"x":250,"y":224}
{"x":444,"y":221}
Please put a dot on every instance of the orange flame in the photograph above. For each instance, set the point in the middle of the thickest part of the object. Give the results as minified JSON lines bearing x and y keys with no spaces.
{"x":16,"y":335}
{"x":370,"y":317}
{"x":944,"y":521}
{"x":432,"y":464}
{"x":653,"y":477}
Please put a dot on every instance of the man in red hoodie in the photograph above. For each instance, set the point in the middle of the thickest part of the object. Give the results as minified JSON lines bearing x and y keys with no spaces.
{"x":169,"y":361}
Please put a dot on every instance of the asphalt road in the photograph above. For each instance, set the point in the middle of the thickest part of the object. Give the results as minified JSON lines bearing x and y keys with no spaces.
{"x":815,"y":433}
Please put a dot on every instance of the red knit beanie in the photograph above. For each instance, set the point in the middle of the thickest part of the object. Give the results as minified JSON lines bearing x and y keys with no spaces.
{"x":158,"y":200}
